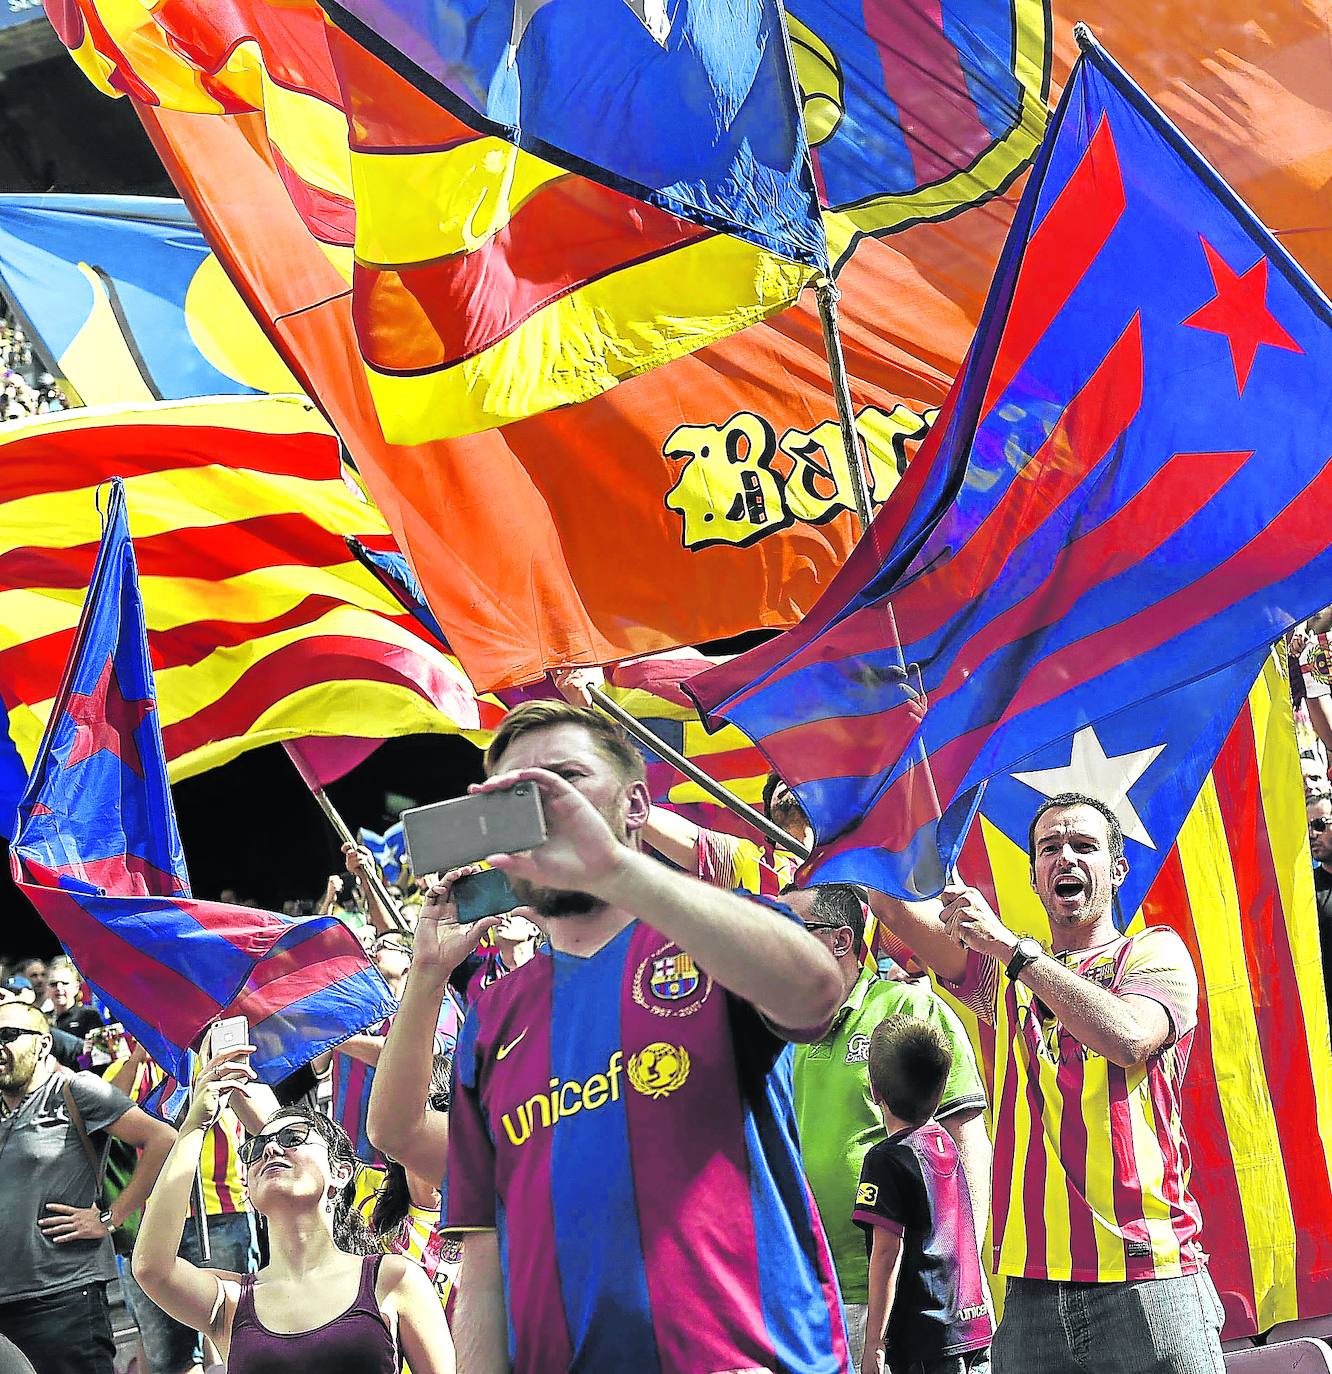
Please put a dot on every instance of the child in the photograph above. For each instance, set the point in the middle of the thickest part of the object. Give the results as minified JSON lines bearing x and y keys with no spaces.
{"x":928,"y":1307}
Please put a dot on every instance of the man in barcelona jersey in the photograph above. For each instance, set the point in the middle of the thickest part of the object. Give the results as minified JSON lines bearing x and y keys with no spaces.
{"x":1092,"y":1220}
{"x":622,"y":1158}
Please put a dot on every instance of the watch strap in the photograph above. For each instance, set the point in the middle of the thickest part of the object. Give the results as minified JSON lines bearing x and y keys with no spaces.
{"x":1023,"y":957}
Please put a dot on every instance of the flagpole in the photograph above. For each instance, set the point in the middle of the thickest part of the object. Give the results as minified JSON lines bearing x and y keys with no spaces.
{"x":376,"y":888}
{"x":695,"y":774}
{"x":827,"y":295}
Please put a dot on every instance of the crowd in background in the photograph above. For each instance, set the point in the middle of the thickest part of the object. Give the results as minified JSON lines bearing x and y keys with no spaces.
{"x":363,"y":1190}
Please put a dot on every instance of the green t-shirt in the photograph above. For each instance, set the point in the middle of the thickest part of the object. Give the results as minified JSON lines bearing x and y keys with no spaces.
{"x":838,"y":1120}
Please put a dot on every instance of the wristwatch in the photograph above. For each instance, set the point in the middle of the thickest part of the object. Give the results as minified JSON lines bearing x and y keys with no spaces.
{"x":105,"y":1219}
{"x":1025,"y":954}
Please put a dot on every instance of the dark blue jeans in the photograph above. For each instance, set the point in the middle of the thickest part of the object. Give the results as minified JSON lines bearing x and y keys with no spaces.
{"x":67,"y":1332}
{"x":1150,"y":1326}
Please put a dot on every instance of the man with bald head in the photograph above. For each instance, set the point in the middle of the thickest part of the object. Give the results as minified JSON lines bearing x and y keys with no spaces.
{"x":1093,"y":1224}
{"x":55,"y":1232}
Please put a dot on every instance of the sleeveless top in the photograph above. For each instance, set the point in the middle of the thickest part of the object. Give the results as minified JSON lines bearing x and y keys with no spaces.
{"x":356,"y":1342}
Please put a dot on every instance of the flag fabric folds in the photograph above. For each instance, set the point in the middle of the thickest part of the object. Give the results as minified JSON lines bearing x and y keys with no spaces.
{"x":487,"y":284}
{"x":1236,"y":886}
{"x":98,"y":854}
{"x":123,"y":300}
{"x":261,"y":624}
{"x":691,"y":109}
{"x":388,"y":850}
{"x":1113,"y":504}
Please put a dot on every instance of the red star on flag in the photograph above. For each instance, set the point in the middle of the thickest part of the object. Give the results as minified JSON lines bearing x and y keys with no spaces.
{"x":1239,"y":311}
{"x":103,"y":719}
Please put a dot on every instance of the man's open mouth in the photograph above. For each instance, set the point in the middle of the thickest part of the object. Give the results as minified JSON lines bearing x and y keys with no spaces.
{"x":1068,"y":886}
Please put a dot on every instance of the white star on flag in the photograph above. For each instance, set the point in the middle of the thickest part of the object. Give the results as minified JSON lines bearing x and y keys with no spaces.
{"x":1108,"y":779}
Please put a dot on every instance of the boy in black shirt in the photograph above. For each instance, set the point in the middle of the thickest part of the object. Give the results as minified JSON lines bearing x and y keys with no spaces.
{"x":928,"y":1306}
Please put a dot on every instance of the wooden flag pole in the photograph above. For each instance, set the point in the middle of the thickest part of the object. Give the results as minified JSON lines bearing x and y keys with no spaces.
{"x":827,"y":295}
{"x":696,"y":775}
{"x":376,"y":887}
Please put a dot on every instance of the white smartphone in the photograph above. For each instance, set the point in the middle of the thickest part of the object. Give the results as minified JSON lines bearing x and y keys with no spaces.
{"x":227,"y":1033}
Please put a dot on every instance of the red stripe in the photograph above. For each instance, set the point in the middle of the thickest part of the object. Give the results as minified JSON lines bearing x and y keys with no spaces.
{"x":340,"y":658}
{"x":1057,"y":256}
{"x":1118,"y":543}
{"x":1288,"y":543}
{"x":922,"y":73}
{"x":1282,"y":1032}
{"x":427,"y":317}
{"x":1035,"y":1164}
{"x":124,"y":971}
{"x":67,"y":460}
{"x":329,"y":217}
{"x":214,"y":551}
{"x":1214,"y":1181}
{"x":283,"y":979}
{"x":30,"y":672}
{"x":1005,"y":1147}
{"x":1073,"y":1157}
{"x":1184,"y":1218}
{"x":221,"y":1156}
{"x":1127,"y":1187}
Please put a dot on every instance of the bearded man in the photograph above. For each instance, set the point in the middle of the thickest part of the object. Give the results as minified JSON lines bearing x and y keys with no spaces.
{"x":622,"y":1161}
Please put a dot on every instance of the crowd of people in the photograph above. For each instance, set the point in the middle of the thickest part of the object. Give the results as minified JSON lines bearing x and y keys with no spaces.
{"x":670,"y":1116}
{"x":25,"y":387}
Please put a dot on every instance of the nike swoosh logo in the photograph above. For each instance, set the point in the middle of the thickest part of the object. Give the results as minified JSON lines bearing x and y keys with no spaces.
{"x":504,"y":1049}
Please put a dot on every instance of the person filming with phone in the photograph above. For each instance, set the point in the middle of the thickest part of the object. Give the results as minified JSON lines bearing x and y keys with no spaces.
{"x":322,"y":1303}
{"x":621,"y":1103}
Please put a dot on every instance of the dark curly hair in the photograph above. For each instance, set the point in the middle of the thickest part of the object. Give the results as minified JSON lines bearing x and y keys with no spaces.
{"x":350,"y":1232}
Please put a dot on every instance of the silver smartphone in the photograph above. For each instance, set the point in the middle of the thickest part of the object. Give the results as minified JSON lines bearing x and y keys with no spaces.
{"x":227,"y":1033}
{"x":452,"y":833}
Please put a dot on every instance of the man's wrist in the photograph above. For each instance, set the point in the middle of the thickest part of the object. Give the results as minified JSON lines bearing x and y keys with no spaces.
{"x":617,"y":883}
{"x":1002,"y":948}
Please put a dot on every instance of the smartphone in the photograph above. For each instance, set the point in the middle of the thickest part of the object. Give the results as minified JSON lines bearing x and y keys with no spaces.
{"x":488,"y":893}
{"x":452,"y":833}
{"x":228,"y":1033}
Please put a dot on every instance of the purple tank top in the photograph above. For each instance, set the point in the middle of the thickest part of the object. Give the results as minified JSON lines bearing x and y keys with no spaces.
{"x":357,"y":1342}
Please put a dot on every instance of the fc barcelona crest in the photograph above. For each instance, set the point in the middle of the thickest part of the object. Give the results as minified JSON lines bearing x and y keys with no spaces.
{"x":669,"y":983}
{"x":674,"y":977}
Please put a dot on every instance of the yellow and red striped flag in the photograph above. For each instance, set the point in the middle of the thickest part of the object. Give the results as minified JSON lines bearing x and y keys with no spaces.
{"x":1257,"y":1102}
{"x":261,"y":625}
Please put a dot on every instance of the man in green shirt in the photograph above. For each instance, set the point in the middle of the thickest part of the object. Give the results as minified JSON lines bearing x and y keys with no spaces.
{"x":837,"y":1118}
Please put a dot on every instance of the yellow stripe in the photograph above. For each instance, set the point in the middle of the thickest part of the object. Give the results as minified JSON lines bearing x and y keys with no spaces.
{"x":1058,"y":1230}
{"x":1150,"y":1162}
{"x":146,"y":51}
{"x":369,"y":709}
{"x":1101,"y":1178}
{"x":612,"y":329}
{"x":699,"y":744}
{"x":415,"y":207}
{"x":181,"y":500}
{"x":1245,"y":1103}
{"x":310,"y":133}
{"x":246,"y":414}
{"x":1020,"y":908}
{"x":186,"y":689}
{"x":749,"y":790}
{"x":1012,"y":1258}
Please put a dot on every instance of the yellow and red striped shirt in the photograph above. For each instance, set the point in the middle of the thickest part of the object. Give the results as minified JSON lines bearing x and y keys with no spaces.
{"x":1091,"y":1167}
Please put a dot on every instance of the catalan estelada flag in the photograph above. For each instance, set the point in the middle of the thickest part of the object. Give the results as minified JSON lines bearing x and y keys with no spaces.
{"x":1236,"y":885}
{"x":124,"y":301}
{"x":98,"y":854}
{"x":261,"y":624}
{"x":1117,"y":501}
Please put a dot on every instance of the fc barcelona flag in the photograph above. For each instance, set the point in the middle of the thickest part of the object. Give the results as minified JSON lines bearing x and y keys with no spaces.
{"x":98,"y":854}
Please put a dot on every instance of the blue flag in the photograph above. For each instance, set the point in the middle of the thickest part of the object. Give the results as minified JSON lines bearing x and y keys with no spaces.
{"x":388,"y":850}
{"x":98,"y":853}
{"x":121,"y":297}
{"x":691,"y":107}
{"x":1115,"y":504}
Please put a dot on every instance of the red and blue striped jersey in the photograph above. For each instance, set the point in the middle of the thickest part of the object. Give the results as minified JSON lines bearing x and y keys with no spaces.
{"x":353,"y":1080}
{"x":626,"y":1125}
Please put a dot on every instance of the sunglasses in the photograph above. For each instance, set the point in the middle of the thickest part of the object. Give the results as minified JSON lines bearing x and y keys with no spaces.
{"x":824,"y":925}
{"x":8,"y":1034}
{"x":1322,"y":823}
{"x":286,"y":1138}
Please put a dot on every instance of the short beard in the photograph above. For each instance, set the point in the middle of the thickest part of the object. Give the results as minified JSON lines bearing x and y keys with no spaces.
{"x":552,"y":903}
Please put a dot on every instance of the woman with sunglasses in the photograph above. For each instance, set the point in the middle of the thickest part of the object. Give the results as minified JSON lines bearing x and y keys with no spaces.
{"x":300,"y":1175}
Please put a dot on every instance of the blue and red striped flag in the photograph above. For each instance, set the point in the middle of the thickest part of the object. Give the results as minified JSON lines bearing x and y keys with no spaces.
{"x":1119,"y":499}
{"x":98,"y":854}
